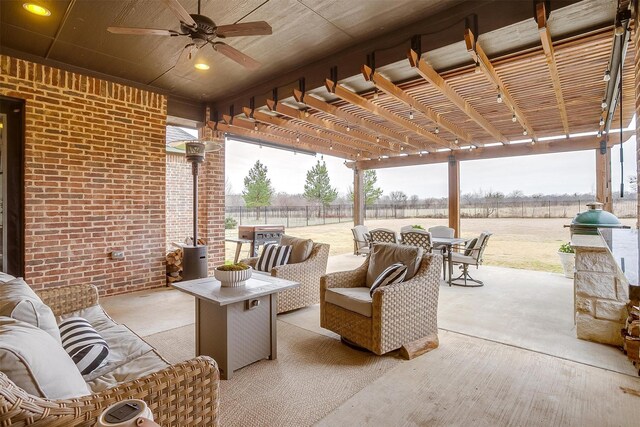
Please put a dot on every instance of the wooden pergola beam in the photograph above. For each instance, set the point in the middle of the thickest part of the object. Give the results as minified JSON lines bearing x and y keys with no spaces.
{"x":396,"y":92}
{"x":351,"y":134}
{"x":480,"y":58}
{"x":301,"y":131}
{"x":549,"y":53}
{"x":429,"y":74}
{"x":351,"y":119}
{"x":493,"y":152}
{"x":357,"y":100}
{"x":246,"y":128}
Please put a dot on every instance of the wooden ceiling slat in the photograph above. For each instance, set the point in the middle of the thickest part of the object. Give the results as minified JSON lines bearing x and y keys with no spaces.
{"x":355,"y":99}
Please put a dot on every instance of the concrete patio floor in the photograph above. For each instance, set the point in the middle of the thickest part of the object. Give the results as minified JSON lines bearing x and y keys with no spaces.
{"x":527,"y":309}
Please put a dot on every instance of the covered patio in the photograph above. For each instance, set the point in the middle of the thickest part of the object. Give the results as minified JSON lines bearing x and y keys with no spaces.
{"x":86,"y":97}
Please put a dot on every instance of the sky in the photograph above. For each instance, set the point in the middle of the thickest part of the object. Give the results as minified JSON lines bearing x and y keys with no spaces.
{"x":557,"y":173}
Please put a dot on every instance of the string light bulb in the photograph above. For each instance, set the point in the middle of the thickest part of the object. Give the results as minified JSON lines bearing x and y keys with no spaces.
{"x":297,"y":138}
{"x":499,"y":98}
{"x":455,"y":141}
{"x":379,"y":158}
{"x":599,"y":133}
{"x":306,"y":114}
{"x":377,"y":139}
{"x":524,"y":132}
{"x":348,"y":128}
{"x":604,"y":104}
{"x":402,"y":148}
{"x":331,"y":147}
{"x":601,"y":121}
{"x":375,"y":94}
{"x":410,"y":115}
{"x":358,"y":155}
{"x":420,"y":154}
{"x":514,"y":118}
{"x":437,"y":131}
{"x":533,"y":142}
{"x":255,"y":127}
{"x":607,"y":76}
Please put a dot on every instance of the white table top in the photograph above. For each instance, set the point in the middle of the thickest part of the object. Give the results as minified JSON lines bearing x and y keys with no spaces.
{"x":449,"y":241}
{"x":257,"y":286}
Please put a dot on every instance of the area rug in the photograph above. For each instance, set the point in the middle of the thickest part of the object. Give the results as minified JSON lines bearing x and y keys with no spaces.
{"x":312,"y":376}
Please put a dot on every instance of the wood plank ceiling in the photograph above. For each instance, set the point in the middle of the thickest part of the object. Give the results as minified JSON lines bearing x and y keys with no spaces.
{"x":457,"y":109}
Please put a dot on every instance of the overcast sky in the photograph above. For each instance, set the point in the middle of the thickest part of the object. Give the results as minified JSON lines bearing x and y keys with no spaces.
{"x":548,"y":174}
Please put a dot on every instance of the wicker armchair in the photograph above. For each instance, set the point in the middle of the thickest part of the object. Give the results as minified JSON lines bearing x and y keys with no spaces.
{"x":401,"y":314}
{"x":307,"y":273}
{"x":184,"y":394}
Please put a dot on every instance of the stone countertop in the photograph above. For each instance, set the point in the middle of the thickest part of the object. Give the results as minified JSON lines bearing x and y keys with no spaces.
{"x":624,"y":246}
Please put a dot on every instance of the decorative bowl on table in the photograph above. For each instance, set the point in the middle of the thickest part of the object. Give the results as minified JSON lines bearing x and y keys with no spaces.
{"x":232,"y":275}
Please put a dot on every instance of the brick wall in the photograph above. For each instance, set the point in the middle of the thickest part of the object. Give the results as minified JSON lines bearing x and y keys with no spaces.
{"x":179,"y":199}
{"x":94,"y":178}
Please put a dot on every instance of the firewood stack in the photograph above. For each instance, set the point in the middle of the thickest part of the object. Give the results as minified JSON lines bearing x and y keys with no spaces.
{"x":174,"y":265}
{"x":631,"y":335}
{"x":174,"y":260}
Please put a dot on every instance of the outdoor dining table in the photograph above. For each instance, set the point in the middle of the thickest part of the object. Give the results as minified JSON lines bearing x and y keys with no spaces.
{"x":447,"y":244}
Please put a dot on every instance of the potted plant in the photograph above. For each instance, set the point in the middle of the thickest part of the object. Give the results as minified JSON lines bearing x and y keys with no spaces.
{"x":568,"y":259}
{"x":232,"y":275}
{"x":417,"y":227}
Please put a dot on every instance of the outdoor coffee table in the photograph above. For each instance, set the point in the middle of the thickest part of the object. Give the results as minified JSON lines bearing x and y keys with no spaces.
{"x":448,"y":244}
{"x":236,"y":326}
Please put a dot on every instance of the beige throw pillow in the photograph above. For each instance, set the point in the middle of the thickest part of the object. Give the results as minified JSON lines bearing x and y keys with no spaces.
{"x":38,"y":364}
{"x":385,"y":254}
{"x":20,"y":302}
{"x":300,"y":248}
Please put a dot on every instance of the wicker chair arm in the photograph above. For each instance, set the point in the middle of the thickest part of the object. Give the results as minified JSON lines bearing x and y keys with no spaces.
{"x":346,"y":279}
{"x":184,"y":394}
{"x":250,"y":261}
{"x":67,"y":299}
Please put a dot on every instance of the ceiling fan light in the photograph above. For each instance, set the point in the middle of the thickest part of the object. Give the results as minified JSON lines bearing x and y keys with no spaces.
{"x":201,"y":66}
{"x":36,"y":9}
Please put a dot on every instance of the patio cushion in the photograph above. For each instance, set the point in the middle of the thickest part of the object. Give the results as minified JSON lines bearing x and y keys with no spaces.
{"x":470,"y":246}
{"x":357,"y":300}
{"x":20,"y":302}
{"x":395,"y":273}
{"x":84,"y":344}
{"x":37,"y":363}
{"x":385,"y":254}
{"x":300,"y":248}
{"x":124,"y":345}
{"x":462,"y":259}
{"x":145,"y":364}
{"x":272,"y":256}
{"x":4,"y":277}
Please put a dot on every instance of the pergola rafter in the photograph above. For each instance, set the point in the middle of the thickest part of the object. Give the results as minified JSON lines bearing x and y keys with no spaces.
{"x":357,"y":100}
{"x":396,"y":92}
{"x":246,"y":128}
{"x":477,"y":54}
{"x":549,"y":53}
{"x":351,"y":119}
{"x":300,"y":130}
{"x":343,"y":131}
{"x":429,"y":74}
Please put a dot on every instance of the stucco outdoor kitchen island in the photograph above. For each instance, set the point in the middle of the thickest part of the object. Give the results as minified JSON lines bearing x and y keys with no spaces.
{"x":236,"y":325}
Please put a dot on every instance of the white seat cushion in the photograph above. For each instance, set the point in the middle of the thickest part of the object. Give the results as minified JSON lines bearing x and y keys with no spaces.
{"x":20,"y":302}
{"x":357,"y":300}
{"x":143,"y":365}
{"x":37,"y":363}
{"x":462,"y":258}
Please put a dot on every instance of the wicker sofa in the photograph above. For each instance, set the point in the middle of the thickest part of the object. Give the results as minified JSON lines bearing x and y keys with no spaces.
{"x":307,"y":273}
{"x":184,"y":394}
{"x":399,"y":315}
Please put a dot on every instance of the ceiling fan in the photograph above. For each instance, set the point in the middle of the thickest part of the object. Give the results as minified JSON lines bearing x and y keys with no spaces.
{"x":203,"y":31}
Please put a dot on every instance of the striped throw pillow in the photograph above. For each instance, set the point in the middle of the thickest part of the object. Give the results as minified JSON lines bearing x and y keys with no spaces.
{"x":272,"y":256}
{"x":395,"y":273}
{"x":86,"y":347}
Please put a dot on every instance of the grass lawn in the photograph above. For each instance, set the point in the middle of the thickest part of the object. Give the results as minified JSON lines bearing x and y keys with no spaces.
{"x":526,"y":243}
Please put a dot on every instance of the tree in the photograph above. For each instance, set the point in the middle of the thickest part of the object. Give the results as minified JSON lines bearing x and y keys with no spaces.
{"x":371,"y":192}
{"x":318,"y":185}
{"x":398,"y":197}
{"x":257,"y":187}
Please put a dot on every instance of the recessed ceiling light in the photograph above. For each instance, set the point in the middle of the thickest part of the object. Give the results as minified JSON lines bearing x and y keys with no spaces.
{"x":202,"y":66}
{"x":36,"y":9}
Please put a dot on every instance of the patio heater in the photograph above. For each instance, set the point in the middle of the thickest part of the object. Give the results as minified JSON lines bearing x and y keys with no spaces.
{"x":194,"y":262}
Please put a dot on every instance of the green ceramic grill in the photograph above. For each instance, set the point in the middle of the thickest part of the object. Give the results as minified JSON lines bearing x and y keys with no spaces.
{"x":594,"y":217}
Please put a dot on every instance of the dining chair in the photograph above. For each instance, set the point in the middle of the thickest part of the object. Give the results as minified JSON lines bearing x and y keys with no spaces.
{"x":419,"y":238}
{"x":472,"y":255}
{"x":383,"y":235}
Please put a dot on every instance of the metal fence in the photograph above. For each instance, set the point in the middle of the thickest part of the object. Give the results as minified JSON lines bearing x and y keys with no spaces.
{"x":301,"y":216}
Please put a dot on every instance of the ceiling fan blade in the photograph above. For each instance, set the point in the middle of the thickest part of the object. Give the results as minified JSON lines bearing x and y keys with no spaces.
{"x":180,"y":12}
{"x":235,"y":55}
{"x":257,"y":28}
{"x":142,"y":31}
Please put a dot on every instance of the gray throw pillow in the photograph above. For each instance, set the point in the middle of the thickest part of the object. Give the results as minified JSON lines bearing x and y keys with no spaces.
{"x":300,"y":248}
{"x":20,"y":302}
